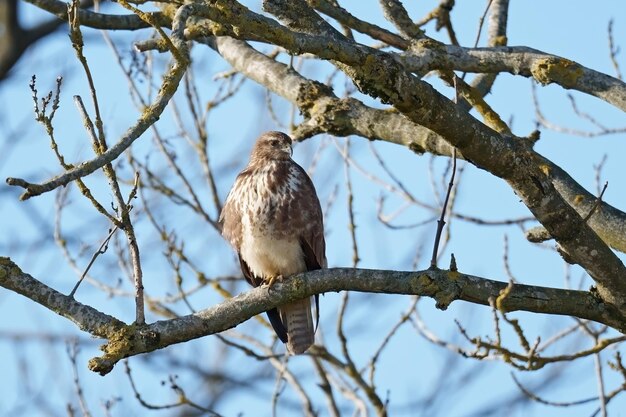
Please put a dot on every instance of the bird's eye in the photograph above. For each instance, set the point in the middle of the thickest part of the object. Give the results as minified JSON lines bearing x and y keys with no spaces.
{"x":274,"y":143}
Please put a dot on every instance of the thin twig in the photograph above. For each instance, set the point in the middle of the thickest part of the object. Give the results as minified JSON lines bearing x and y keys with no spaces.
{"x":597,"y":204}
{"x":441,"y":222}
{"x":540,"y":400}
{"x":326,"y":388}
{"x":481,"y":21}
{"x":72,"y":352}
{"x":183,"y":399}
{"x":600,"y":381}
{"x":278,"y":387}
{"x":403,"y":319}
{"x":148,"y":117}
{"x":613,"y":51}
{"x":350,"y":202}
{"x":102,"y":249}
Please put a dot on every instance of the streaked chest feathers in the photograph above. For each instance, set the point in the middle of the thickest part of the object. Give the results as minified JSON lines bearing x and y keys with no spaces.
{"x":271,"y":221}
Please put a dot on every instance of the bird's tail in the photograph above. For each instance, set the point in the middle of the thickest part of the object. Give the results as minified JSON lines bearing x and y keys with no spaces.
{"x":298,"y":319}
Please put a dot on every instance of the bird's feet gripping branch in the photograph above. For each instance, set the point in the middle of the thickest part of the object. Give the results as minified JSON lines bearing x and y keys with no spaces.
{"x":270,"y":281}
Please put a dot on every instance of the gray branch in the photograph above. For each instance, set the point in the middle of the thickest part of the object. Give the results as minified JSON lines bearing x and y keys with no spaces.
{"x":423,"y":55}
{"x":443,"y":286}
{"x":326,"y":113}
{"x":101,"y":20}
{"x":86,"y":318}
{"x":428,"y":55}
{"x":149,"y":116}
{"x":380,"y":75}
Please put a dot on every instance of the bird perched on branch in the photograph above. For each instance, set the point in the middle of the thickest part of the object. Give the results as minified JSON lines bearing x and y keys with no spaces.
{"x":273,"y":219}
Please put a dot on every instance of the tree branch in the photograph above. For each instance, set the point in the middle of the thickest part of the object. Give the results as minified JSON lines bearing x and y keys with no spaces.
{"x":443,"y":286}
{"x":16,"y":39}
{"x":101,"y":20}
{"x":498,"y":18}
{"x":86,"y":318}
{"x":326,"y":113}
{"x":149,"y":116}
{"x":427,"y":55}
{"x":380,"y":75}
{"x":423,"y":55}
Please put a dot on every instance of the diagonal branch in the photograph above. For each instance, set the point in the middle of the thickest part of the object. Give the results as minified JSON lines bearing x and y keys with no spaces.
{"x":149,"y":116}
{"x":426,"y":54}
{"x":15,"y":38}
{"x":326,"y":113}
{"x":380,"y":75}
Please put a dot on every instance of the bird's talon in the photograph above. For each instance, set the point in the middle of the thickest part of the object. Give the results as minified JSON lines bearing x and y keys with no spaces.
{"x":272,"y":280}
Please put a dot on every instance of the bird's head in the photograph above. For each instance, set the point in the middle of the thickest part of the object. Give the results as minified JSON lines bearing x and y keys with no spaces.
{"x":272,"y":145}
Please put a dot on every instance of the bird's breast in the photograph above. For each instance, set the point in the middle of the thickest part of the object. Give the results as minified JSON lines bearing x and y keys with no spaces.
{"x":269,"y":256}
{"x":270,"y":239}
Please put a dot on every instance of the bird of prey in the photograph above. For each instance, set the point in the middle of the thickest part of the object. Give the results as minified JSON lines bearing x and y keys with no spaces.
{"x":273,"y":219}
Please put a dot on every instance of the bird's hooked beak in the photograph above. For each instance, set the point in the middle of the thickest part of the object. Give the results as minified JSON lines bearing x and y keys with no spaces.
{"x":287,"y":148}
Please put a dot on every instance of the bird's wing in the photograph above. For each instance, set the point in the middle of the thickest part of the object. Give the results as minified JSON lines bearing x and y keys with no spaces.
{"x":311,"y":237}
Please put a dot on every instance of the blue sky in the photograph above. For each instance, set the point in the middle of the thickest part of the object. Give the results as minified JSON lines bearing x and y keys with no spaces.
{"x":410,"y":366}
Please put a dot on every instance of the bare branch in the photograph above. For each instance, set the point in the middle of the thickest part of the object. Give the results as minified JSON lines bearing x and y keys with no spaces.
{"x":441,"y":222}
{"x":343,"y":117}
{"x":100,"y":20}
{"x":613,"y":51}
{"x":86,"y":318}
{"x":150,"y":115}
{"x":443,"y":286}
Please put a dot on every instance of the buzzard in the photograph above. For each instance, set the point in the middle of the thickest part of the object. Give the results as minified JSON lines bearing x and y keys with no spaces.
{"x":273,"y":219}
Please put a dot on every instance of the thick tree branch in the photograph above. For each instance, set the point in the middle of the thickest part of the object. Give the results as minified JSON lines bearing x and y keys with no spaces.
{"x":395,"y":12}
{"x":423,"y":55}
{"x":443,"y":286}
{"x":86,"y":318}
{"x":381,"y":75}
{"x":608,"y":222}
{"x":427,"y":55}
{"x":325,"y":112}
{"x":341,"y":15}
{"x":101,"y":20}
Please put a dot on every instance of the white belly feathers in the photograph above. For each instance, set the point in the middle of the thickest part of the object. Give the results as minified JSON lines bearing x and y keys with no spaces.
{"x":268,"y":257}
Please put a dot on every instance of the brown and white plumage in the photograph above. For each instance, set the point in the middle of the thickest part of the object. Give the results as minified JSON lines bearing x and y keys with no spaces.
{"x":273,"y":219}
